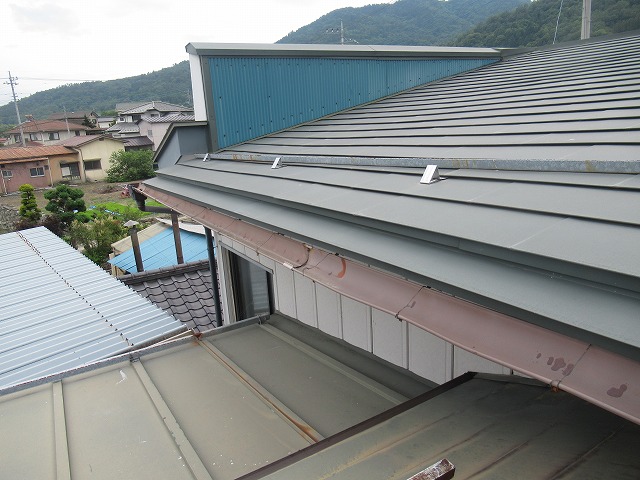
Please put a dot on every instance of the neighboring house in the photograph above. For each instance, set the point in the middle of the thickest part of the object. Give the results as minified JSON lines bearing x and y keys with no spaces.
{"x":38,"y":166}
{"x":105,"y":122}
{"x":95,"y":153}
{"x":157,"y":248}
{"x":76,"y":117}
{"x":149,"y":120}
{"x":45,"y":132}
{"x":523,"y":257}
{"x":132,"y":112}
{"x":155,"y":127}
{"x":60,"y":311}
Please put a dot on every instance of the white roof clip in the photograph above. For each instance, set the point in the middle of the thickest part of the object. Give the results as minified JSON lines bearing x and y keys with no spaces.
{"x":430,"y":175}
{"x":276,"y":163}
{"x":206,"y":157}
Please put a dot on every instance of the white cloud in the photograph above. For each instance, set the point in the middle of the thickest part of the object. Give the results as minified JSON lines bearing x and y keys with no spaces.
{"x":80,"y":40}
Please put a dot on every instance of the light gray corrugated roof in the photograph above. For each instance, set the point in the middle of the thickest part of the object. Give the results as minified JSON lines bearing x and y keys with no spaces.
{"x":202,"y":408}
{"x":575,"y":104}
{"x":178,"y":117}
{"x":155,"y":105}
{"x":58,"y":310}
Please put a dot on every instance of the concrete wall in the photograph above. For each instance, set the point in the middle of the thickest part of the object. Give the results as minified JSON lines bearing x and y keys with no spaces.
{"x":365,"y":327}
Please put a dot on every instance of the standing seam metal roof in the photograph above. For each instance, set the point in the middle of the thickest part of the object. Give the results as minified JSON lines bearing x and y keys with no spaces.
{"x":576,"y":104}
{"x":58,"y":310}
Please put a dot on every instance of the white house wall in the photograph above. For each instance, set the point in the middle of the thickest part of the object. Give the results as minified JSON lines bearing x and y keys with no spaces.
{"x":370,"y":329}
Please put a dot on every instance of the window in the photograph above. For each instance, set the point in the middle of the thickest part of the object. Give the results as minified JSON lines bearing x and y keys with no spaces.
{"x":34,"y":136}
{"x":77,"y":132}
{"x":150,"y":133}
{"x":37,"y":172}
{"x":17,"y":138}
{"x":7,"y":173}
{"x":251,"y":287}
{"x":92,"y":165}
{"x":54,"y":136}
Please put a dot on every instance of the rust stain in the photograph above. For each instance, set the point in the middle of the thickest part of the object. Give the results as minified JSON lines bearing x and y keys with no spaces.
{"x":550,"y":361}
{"x":568,"y":370}
{"x":412,"y":304}
{"x":538,"y":355}
{"x":558,"y":364}
{"x":617,"y":392}
{"x":344,"y":268}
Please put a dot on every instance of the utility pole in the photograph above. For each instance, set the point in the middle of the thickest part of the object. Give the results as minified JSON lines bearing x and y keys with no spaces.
{"x":586,"y":20}
{"x":66,"y":120}
{"x":12,"y":82}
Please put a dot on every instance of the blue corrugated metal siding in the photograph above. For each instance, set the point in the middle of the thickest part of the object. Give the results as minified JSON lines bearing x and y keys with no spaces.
{"x":257,"y":96}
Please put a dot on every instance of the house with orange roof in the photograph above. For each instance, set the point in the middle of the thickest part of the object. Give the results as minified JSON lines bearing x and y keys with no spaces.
{"x":38,"y":166}
{"x":45,"y":132}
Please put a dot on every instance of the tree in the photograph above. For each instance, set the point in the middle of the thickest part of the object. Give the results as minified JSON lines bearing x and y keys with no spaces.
{"x":29,"y":210}
{"x":64,"y":203}
{"x":97,"y":236}
{"x":87,"y":122}
{"x":130,"y":166}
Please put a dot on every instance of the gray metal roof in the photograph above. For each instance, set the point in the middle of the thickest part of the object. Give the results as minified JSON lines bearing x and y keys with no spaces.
{"x":58,"y":310}
{"x":177,"y":117}
{"x":213,"y":408}
{"x":156,"y":105}
{"x":209,"y":408}
{"x":494,"y":427}
{"x":575,"y":105}
{"x":526,"y":244}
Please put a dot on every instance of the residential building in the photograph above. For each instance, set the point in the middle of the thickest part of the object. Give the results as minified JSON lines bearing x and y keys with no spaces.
{"x":77,"y":118}
{"x":38,"y":166}
{"x":388,"y":222}
{"x":528,"y":240}
{"x":45,"y":132}
{"x":148,"y":120}
{"x":95,"y":153}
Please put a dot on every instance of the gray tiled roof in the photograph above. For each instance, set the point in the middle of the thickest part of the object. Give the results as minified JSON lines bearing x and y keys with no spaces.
{"x":182,"y":290}
{"x":174,"y":117}
{"x":159,"y":106}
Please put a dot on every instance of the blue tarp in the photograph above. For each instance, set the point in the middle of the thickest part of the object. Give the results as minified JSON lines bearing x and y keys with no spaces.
{"x":160,"y":251}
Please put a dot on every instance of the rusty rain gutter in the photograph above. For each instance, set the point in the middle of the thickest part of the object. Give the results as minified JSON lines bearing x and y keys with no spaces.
{"x":606,"y":379}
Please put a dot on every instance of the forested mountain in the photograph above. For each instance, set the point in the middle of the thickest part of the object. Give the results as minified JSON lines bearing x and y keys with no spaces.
{"x":534,"y":24}
{"x":405,"y":22}
{"x":172,"y":84}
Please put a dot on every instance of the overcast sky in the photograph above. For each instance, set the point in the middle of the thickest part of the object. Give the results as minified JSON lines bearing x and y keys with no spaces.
{"x":46,"y":43}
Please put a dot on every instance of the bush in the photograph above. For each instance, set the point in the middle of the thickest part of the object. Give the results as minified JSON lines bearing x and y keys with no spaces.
{"x":97,"y":236}
{"x":29,"y":211}
{"x":130,"y":166}
{"x":65,"y":202}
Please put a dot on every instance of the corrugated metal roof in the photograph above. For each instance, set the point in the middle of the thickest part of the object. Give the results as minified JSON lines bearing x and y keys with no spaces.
{"x":578,"y":103}
{"x":142,"y":141}
{"x":160,"y":251}
{"x":213,"y":408}
{"x":58,"y":310}
{"x":18,"y":153}
{"x":203,"y":408}
{"x":47,"y":126}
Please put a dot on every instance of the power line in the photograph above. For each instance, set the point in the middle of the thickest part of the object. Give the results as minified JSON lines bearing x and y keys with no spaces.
{"x":55,"y":79}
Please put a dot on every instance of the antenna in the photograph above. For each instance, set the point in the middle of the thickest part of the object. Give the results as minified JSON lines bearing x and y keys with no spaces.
{"x":341,"y":32}
{"x":13,"y":81}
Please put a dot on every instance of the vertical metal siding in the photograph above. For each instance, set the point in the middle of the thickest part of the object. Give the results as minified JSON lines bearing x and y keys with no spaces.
{"x":257,"y":96}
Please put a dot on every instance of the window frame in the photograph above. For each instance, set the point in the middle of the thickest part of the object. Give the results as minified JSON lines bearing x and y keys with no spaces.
{"x":37,"y":169}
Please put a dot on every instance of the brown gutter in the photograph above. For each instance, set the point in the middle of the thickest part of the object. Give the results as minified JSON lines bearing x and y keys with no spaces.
{"x":604,"y":378}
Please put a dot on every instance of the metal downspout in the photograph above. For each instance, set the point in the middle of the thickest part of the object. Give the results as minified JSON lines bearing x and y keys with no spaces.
{"x":214,"y":276}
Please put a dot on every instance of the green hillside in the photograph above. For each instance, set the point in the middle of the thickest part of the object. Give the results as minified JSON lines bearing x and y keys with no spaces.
{"x":172,"y":84}
{"x":534,"y":24}
{"x":406,"y":22}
